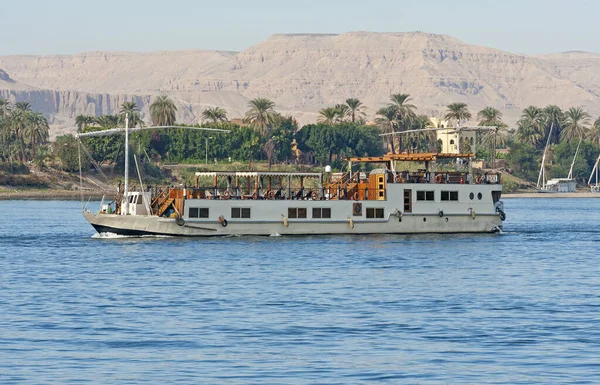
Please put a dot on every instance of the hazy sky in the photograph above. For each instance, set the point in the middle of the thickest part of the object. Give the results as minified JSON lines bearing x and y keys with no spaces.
{"x":71,"y":26}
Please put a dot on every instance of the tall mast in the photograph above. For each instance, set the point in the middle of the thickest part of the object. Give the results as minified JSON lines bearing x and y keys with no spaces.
{"x":542,"y":175}
{"x":574,"y":158}
{"x":126,"y":194}
{"x":594,"y":171}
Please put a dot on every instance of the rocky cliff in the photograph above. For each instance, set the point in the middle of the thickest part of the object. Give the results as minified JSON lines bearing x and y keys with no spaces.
{"x":303,"y":73}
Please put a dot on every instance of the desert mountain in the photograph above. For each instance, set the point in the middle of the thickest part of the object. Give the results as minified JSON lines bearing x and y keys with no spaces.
{"x":303,"y":73}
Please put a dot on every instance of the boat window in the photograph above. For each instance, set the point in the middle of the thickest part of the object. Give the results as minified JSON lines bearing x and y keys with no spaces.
{"x":374,"y":213}
{"x":240,"y":212}
{"x":449,"y":196}
{"x":321,"y":212}
{"x":295,"y":213}
{"x":479,"y":196}
{"x":198,"y":212}
{"x":425,"y":195}
{"x":471,"y":196}
{"x":408,"y":200}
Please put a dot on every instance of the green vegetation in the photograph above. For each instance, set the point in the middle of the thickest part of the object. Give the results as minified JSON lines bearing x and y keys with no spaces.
{"x":568,"y":129}
{"x":267,"y":136}
{"x":23,"y":132}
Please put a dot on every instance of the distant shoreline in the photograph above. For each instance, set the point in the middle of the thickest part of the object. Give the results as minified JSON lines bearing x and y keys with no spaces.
{"x":550,"y":195}
{"x":48,"y":194}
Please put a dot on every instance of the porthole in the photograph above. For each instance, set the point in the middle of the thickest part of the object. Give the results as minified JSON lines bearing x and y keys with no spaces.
{"x":479,"y":196}
{"x":446,"y":219}
{"x":472,"y":196}
{"x":424,"y":219}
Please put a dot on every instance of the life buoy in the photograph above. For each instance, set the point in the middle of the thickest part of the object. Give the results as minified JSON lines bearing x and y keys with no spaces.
{"x":223,"y":221}
{"x":398,"y":178}
{"x":270,"y":194}
{"x":438,"y":179}
{"x":314,"y":196}
{"x":478,"y":179}
{"x":355,"y":196}
{"x":285,"y":222}
{"x":226,"y":194}
{"x":462,"y":180}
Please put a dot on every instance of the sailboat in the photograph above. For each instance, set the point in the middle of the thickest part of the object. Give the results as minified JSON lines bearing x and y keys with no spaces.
{"x":595,"y":188}
{"x":556,"y":185}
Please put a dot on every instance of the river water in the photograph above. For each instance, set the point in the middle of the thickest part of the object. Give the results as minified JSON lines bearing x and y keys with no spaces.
{"x":520,"y":307}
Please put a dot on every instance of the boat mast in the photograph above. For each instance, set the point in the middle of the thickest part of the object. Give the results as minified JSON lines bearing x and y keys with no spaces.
{"x":126,"y":193}
{"x":594,"y":171}
{"x":542,"y":175}
{"x":574,"y":158}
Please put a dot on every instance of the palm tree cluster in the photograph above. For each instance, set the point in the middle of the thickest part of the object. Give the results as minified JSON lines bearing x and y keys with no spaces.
{"x":352,"y":110}
{"x":554,"y":125}
{"x":22,"y":131}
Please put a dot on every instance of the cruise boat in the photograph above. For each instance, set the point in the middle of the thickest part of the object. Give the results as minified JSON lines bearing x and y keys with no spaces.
{"x":386,"y":200}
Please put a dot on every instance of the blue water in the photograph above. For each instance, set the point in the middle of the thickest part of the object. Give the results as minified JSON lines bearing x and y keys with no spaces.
{"x":522,"y":307}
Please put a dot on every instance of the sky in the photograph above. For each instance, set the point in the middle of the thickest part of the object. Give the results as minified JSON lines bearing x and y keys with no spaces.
{"x":44,"y":27}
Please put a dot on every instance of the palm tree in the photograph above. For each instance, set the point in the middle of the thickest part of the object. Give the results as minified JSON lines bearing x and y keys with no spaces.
{"x":490,"y":116}
{"x":132,"y":111}
{"x":23,"y":106}
{"x":18,"y":121}
{"x":269,"y":149}
{"x":328,"y":115}
{"x":405,"y":113}
{"x":162,"y":111}
{"x":83,"y":121}
{"x":107,"y":121}
{"x":531,"y":126}
{"x":342,"y":112}
{"x":387,"y":122}
{"x":577,"y":123}
{"x":425,"y":138}
{"x":4,"y":107}
{"x":555,"y":119}
{"x":36,"y":131}
{"x":354,"y":108}
{"x":261,"y":114}
{"x":215,"y":114}
{"x":458,"y":112}
{"x":594,"y":134}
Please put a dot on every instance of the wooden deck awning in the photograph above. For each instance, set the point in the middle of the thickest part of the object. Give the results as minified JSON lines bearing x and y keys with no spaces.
{"x":258,"y":173}
{"x":419,"y":157}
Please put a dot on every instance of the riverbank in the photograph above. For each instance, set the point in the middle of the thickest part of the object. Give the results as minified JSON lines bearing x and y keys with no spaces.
{"x":47,"y":194}
{"x":550,"y":195}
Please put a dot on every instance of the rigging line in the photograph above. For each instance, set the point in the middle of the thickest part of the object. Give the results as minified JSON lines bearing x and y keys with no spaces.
{"x":146,"y":203}
{"x":94,"y":162}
